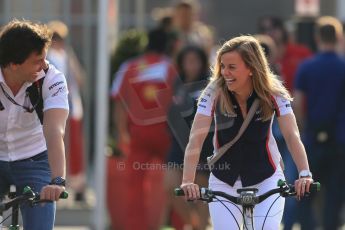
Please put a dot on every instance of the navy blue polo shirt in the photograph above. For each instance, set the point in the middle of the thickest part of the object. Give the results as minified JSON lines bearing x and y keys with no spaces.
{"x":255,"y":156}
{"x":322,"y":80}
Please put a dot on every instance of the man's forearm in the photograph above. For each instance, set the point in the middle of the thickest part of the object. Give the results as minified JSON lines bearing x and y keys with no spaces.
{"x":54,"y":125}
{"x":56,"y":154}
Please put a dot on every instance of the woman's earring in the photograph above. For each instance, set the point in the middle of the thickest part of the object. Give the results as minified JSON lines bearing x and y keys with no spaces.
{"x":250,"y":74}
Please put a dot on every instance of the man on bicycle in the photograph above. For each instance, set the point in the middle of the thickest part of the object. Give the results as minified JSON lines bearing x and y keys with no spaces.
{"x":30,"y":153}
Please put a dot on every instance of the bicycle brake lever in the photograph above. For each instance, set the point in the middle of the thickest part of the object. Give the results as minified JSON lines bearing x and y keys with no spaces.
{"x":287,"y":190}
{"x":206,"y":195}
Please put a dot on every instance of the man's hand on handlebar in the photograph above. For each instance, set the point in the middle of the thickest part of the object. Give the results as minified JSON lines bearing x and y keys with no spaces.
{"x":51,"y":192}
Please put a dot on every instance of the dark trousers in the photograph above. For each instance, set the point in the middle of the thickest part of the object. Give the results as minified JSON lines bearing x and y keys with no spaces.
{"x":327,"y":162}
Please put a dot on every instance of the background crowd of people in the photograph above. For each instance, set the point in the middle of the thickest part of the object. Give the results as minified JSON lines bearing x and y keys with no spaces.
{"x":158,"y":74}
{"x":189,"y":52}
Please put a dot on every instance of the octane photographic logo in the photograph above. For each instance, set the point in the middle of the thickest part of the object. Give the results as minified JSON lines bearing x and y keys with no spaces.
{"x":147,"y":166}
{"x":218,"y":167}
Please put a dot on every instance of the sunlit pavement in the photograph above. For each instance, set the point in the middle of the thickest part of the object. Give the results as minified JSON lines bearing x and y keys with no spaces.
{"x":73,"y":215}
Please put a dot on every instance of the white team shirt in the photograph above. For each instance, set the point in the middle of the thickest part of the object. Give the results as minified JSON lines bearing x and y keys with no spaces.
{"x":21,"y":133}
{"x":207,"y":102}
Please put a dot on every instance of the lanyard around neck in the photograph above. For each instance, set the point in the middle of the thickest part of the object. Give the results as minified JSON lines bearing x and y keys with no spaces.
{"x":26,"y":108}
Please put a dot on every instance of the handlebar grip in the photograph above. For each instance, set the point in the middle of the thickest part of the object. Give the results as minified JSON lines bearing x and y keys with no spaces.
{"x":178,"y":192}
{"x":28,"y":190}
{"x":64,"y":195}
{"x":315,"y":187}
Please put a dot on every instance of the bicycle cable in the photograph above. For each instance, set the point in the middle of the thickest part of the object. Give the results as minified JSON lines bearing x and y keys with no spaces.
{"x":17,"y":209}
{"x":263,"y":224}
{"x":244,"y":221}
{"x":8,"y":217}
{"x":252,"y":219}
{"x":220,"y":201}
{"x":228,"y":201}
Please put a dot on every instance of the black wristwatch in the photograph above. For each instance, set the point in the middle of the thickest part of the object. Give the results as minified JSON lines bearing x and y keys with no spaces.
{"x":58,"y":181}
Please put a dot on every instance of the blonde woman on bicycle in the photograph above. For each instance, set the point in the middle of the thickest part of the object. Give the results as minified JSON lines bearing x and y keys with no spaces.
{"x":241,"y":74}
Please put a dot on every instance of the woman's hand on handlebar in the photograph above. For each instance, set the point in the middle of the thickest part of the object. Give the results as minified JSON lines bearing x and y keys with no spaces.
{"x":191,"y":190}
{"x":302,"y":185}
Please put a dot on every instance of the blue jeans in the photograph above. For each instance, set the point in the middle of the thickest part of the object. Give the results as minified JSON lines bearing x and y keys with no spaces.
{"x":33,"y":172}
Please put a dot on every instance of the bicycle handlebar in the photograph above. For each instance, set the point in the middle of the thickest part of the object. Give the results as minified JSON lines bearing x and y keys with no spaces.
{"x":30,"y":196}
{"x":247,"y":196}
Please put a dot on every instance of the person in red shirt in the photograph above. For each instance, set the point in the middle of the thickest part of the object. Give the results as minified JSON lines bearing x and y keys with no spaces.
{"x":289,"y":54}
{"x":142,"y":91}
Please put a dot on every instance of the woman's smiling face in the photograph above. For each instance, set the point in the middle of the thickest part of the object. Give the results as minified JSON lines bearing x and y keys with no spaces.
{"x":235,"y":72}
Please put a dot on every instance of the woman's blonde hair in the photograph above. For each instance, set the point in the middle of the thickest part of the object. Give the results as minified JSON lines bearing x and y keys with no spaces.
{"x":265,"y":83}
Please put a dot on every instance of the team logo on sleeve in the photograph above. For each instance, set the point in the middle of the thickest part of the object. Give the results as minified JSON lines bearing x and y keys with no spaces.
{"x":60,"y":90}
{"x":203,"y":100}
{"x":55,"y":84}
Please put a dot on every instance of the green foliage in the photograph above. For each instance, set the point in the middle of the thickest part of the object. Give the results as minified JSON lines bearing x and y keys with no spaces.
{"x":131,"y":43}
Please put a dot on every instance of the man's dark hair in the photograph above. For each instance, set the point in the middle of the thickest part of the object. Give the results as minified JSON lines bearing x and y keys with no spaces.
{"x":327,"y":34}
{"x":266,"y":49}
{"x":166,"y":23}
{"x":328,"y":29}
{"x":275,"y":23}
{"x":57,"y":37}
{"x":20,"y":38}
{"x":158,"y":40}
